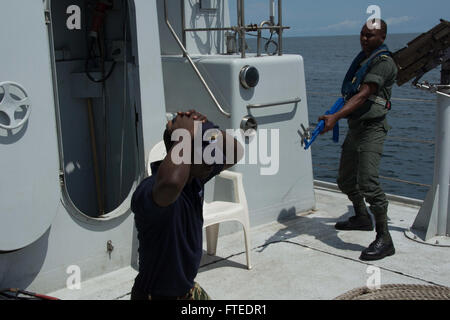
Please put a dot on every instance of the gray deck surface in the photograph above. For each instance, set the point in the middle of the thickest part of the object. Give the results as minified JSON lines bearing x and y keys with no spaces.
{"x":301,"y":257}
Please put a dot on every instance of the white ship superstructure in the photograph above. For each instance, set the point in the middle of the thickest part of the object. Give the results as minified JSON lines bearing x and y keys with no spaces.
{"x":96,"y":91}
{"x":86,"y":88}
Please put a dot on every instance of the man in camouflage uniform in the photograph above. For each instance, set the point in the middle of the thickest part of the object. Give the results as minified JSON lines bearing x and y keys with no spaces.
{"x":361,"y":152}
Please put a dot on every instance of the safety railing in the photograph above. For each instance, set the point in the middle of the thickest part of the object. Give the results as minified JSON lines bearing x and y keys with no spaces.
{"x":191,"y":62}
{"x":242,"y":29}
{"x":389,"y":138}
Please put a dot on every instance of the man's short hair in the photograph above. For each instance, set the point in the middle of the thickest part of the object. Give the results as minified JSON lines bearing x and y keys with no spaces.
{"x":383,"y":27}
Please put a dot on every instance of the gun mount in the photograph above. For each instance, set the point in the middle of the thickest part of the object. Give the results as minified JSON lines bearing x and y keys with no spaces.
{"x":423,"y":54}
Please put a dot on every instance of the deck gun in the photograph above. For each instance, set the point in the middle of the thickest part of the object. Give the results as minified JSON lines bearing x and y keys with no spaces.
{"x":423,"y":54}
{"x":309,"y":136}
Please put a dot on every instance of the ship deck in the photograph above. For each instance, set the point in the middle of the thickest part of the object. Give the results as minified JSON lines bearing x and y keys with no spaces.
{"x":299,"y":257}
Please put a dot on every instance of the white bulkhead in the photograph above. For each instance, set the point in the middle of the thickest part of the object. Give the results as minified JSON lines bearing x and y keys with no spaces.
{"x":280,"y":181}
{"x":49,"y":208}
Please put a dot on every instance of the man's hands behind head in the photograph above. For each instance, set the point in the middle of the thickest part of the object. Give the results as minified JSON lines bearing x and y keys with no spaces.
{"x":187,"y":120}
{"x":197,"y":116}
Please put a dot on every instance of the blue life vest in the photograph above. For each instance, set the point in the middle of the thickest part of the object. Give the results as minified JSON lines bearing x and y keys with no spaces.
{"x":357,"y":73}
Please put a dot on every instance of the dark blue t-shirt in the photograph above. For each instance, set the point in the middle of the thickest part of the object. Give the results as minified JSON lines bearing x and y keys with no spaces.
{"x":170,"y":239}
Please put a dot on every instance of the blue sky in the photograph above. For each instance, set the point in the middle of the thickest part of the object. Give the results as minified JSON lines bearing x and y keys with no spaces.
{"x":345,"y":17}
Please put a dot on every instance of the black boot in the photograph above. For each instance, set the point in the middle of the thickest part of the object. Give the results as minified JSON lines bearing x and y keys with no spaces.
{"x":382,"y":247}
{"x":360,"y":222}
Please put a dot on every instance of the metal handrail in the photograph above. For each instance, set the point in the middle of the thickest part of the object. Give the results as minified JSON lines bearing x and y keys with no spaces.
{"x":186,"y":54}
{"x":241,"y":29}
{"x":273,"y":104}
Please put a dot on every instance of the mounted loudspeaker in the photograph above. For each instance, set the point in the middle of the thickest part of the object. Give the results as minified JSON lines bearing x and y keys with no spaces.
{"x":249,"y":77}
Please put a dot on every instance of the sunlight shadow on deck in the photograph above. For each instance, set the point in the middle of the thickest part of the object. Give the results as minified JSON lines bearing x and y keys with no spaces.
{"x":211,"y":262}
{"x":320,"y":228}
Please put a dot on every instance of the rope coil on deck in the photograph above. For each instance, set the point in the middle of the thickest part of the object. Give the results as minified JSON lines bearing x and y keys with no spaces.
{"x":398,"y":292}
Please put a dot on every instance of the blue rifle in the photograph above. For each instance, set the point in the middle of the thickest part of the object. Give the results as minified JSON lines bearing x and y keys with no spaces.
{"x":308,"y":139}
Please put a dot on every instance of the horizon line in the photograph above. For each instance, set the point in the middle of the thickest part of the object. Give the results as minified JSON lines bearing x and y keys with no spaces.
{"x":344,"y":35}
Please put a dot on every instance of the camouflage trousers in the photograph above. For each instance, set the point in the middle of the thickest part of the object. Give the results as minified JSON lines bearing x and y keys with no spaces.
{"x":359,"y":166}
{"x":196,"y":293}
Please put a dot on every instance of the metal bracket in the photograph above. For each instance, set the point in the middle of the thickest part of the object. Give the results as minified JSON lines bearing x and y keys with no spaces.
{"x":61,"y":178}
{"x":433,"y":88}
{"x":47,"y":16}
{"x":109,"y":248}
{"x":306,"y":135}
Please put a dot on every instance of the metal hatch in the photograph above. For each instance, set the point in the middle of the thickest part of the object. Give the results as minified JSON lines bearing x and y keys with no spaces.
{"x":29,"y":159}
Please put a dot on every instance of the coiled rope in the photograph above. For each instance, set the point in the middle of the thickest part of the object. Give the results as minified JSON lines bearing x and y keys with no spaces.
{"x":398,"y":292}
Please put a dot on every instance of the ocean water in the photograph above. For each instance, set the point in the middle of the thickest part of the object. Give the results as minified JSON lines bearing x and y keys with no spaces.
{"x":409,"y":150}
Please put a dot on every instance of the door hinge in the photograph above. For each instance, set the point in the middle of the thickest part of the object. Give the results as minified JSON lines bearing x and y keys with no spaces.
{"x":47,"y":17}
{"x":61,"y":178}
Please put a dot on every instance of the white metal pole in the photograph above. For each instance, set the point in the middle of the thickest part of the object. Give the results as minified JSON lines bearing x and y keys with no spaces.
{"x":272,"y":11}
{"x":432,"y":224}
{"x":443,"y":143}
{"x":280,"y":24}
{"x":242,"y":13}
{"x":443,"y":140}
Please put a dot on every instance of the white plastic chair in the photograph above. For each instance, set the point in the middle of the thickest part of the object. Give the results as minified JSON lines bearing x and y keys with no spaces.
{"x":216,"y":212}
{"x":157,"y":153}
